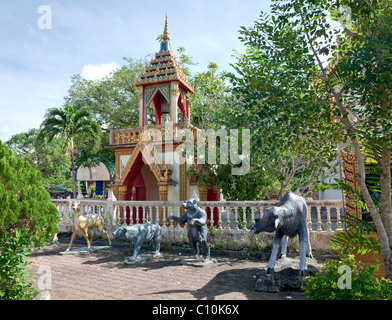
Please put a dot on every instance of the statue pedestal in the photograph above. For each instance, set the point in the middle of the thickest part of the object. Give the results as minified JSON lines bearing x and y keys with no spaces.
{"x":197,"y":262}
{"x":286,"y":275}
{"x":140,"y":257}
{"x":85,"y":250}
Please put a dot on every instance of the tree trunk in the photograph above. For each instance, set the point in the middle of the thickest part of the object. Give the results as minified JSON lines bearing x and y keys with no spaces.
{"x":73,"y":170}
{"x":375,"y":214}
{"x":385,"y":214}
{"x":385,"y":206}
{"x":385,"y":197}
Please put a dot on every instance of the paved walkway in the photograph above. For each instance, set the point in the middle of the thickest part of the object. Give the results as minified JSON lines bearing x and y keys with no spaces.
{"x":103,"y":275}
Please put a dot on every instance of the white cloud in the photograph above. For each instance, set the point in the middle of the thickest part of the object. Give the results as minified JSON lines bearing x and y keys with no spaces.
{"x":98,"y":71}
{"x":21,"y":110}
{"x":4,"y":128}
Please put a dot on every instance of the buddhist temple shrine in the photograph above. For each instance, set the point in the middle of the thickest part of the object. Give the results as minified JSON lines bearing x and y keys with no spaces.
{"x":148,"y":164}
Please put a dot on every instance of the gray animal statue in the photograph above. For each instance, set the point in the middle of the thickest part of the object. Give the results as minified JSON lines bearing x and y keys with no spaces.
{"x":140,"y":233}
{"x":197,"y":228}
{"x":288,"y":218}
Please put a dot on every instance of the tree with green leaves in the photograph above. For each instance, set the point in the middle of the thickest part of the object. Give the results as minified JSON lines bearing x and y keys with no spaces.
{"x":114,"y":99}
{"x":212,"y":108}
{"x":69,"y":123}
{"x":316,"y":84}
{"x":292,"y":147}
{"x":46,"y":157}
{"x":211,"y":97}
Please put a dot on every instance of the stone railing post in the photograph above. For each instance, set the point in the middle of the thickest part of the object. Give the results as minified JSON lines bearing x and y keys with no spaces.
{"x":110,"y":208}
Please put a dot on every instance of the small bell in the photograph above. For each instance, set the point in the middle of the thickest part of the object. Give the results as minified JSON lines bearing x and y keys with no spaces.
{"x":165,"y":107}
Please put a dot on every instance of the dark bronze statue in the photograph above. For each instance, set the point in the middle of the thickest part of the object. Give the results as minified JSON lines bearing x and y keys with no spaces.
{"x":288,"y":218}
{"x":138,"y":234}
{"x":197,"y":228}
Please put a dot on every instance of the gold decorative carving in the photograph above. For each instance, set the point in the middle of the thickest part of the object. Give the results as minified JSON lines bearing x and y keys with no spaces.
{"x":203,"y":193}
{"x":164,"y":68}
{"x":183,"y":185}
{"x":163,"y":191}
{"x":183,"y":182}
{"x":150,"y":92}
{"x":122,"y":168}
{"x":350,"y":166}
{"x":122,"y":192}
{"x":166,"y":91}
{"x":163,"y":196}
{"x":133,"y":136}
{"x":127,"y":136}
{"x":152,"y":158}
{"x":175,"y":91}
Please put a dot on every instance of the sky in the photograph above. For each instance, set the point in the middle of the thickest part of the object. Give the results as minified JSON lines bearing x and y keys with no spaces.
{"x":44,"y":43}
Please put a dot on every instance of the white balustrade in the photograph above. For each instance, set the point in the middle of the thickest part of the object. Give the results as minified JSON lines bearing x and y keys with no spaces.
{"x":319,"y":223}
{"x":323,"y":215}
{"x":211,"y":215}
{"x":220,"y":222}
{"x":329,"y":223}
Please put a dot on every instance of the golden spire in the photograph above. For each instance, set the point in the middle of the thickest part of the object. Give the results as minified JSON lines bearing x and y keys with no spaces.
{"x":166,"y":34}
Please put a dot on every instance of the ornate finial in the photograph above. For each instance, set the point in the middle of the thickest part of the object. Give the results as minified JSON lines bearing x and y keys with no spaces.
{"x":165,"y":43}
{"x":166,"y":34}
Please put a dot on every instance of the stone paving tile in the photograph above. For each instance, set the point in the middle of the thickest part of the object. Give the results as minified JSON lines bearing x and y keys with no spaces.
{"x":104,"y":275}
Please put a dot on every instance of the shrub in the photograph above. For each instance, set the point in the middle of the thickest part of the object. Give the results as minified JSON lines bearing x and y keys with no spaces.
{"x":25,"y":205}
{"x":14,"y":284}
{"x":325,"y":285}
{"x":27,"y":217}
{"x":355,"y":237}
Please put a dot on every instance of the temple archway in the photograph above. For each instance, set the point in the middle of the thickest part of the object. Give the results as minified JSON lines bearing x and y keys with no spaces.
{"x":140,"y":185}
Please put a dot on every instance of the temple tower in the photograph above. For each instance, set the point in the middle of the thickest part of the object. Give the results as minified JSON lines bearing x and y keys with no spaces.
{"x":143,"y":172}
{"x":164,"y":86}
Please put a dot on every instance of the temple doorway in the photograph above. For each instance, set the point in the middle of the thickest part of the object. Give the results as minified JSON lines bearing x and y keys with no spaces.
{"x":141,"y":185}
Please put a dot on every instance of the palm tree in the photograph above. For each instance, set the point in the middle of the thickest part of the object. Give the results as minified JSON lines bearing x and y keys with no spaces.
{"x":67,"y":123}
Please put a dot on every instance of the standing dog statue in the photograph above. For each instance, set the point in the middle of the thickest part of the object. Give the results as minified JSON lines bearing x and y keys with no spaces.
{"x":140,"y":233}
{"x":85,"y":223}
{"x":288,"y":218}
